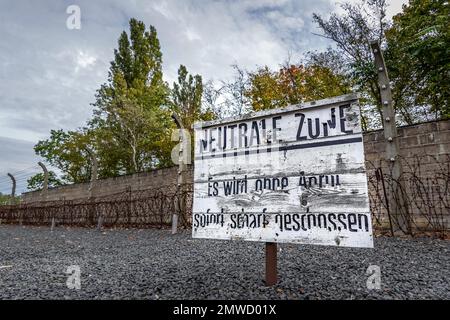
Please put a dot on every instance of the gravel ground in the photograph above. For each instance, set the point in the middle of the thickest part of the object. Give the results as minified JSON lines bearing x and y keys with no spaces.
{"x":152,"y":264}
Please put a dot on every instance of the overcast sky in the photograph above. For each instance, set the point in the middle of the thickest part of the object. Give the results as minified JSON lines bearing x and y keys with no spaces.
{"x":49,"y":73}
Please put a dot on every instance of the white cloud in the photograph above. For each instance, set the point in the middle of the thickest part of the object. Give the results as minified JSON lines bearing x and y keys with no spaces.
{"x":192,"y":35}
{"x":84,"y":60}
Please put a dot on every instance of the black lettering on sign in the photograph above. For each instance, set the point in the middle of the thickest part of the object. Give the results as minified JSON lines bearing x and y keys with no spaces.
{"x":219,"y":139}
{"x":295,"y":220}
{"x":366,"y":222}
{"x":332,"y":122}
{"x":310,"y":128}
{"x":248,"y":220}
{"x":331,"y":220}
{"x":224,"y":147}
{"x":233,"y":221}
{"x":325,"y":129}
{"x":343,"y":119}
{"x":203,"y":220}
{"x":235,"y":186}
{"x":271,"y":183}
{"x":306,"y":221}
{"x":254,"y":134}
{"x":351,"y":217}
{"x":196,"y":221}
{"x":287,"y":222}
{"x":322,"y":220}
{"x":303,"y":222}
{"x":214,"y":186}
{"x":264,"y":131}
{"x":275,"y":128}
{"x":329,"y":123}
{"x":311,"y":220}
{"x":321,"y":180}
{"x":340,"y":217}
{"x":248,"y":134}
{"x":300,"y":126}
{"x":243,"y":135}
{"x":211,"y":140}
{"x":204,"y":142}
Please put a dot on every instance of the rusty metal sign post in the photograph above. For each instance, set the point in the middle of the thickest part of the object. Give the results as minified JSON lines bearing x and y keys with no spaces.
{"x":271,"y":264}
{"x":290,"y":175}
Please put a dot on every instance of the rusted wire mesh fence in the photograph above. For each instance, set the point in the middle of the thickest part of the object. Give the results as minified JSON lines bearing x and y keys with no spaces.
{"x":422,"y":195}
{"x":143,"y":208}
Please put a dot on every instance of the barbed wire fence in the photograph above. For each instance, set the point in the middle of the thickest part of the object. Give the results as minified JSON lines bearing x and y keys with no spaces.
{"x":144,"y":208}
{"x":422,"y":193}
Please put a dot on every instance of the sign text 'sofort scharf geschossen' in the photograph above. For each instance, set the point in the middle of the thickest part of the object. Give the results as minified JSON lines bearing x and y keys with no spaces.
{"x":294,"y":174}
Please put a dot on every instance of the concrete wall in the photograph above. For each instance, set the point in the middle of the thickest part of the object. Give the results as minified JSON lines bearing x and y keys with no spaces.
{"x":104,"y":187}
{"x":425,"y":139}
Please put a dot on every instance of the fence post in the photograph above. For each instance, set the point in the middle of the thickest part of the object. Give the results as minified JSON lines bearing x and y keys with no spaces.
{"x":395,"y":204}
{"x":94,"y":175}
{"x":174,"y":223}
{"x":13,"y":189}
{"x":181,"y":172}
{"x":63,"y":199}
{"x":13,"y":194}
{"x":44,"y":192}
{"x":99,"y":222}
{"x":45,"y":186}
{"x":92,"y":185}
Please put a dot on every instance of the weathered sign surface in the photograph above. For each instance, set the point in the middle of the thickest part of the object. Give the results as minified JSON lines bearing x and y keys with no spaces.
{"x":294,"y":174}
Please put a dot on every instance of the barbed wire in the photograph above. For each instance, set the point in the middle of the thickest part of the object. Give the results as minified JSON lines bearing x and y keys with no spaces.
{"x":421,"y":194}
{"x":20,"y":175}
{"x":142,"y":208}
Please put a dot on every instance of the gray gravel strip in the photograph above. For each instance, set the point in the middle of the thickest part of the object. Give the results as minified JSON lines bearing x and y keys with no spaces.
{"x":153,"y":264}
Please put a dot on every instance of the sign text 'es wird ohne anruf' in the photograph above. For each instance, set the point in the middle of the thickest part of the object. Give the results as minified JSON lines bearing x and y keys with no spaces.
{"x":294,"y":174}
